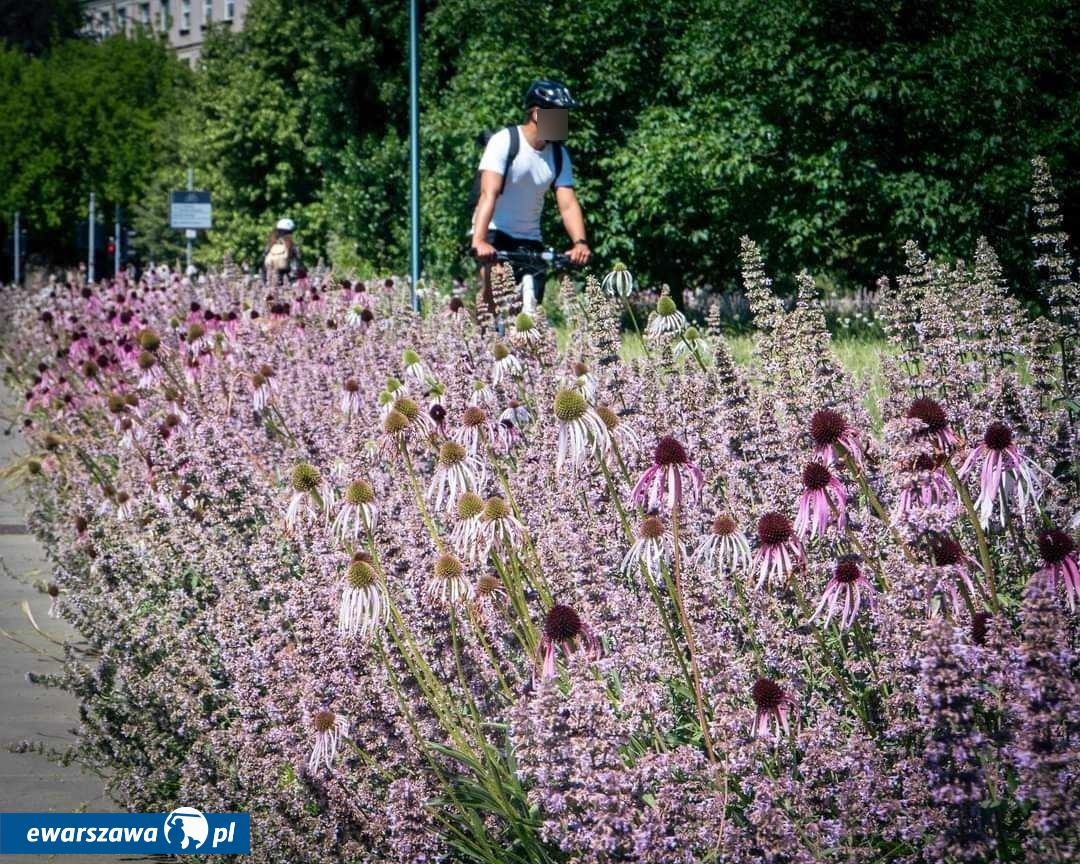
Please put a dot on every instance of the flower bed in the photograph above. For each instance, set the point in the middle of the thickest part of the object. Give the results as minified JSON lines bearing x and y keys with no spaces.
{"x":406,"y":588}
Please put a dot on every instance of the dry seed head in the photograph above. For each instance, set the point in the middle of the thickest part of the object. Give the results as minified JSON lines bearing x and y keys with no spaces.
{"x":305,"y":477}
{"x":361,"y":575}
{"x":359,"y":492}
{"x":570,"y":405}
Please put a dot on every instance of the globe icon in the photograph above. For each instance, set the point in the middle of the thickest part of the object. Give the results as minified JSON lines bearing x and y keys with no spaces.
{"x":188,"y":827}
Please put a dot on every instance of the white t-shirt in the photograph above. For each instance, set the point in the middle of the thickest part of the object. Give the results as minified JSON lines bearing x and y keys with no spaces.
{"x":518,"y":209}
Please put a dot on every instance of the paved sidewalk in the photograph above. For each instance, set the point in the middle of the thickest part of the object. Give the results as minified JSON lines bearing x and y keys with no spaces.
{"x":34,"y":717}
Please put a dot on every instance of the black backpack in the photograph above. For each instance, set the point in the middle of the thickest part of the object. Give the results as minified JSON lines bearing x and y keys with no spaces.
{"x":515,"y":146}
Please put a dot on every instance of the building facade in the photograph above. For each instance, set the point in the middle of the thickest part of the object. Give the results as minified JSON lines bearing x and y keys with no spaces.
{"x":184,"y":22}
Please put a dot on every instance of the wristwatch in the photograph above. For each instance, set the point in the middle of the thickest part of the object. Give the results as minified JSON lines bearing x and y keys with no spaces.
{"x":581,"y":242}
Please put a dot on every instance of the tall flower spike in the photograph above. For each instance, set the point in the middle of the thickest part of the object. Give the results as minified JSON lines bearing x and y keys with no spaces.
{"x":773,"y":708}
{"x":364,"y":604}
{"x":1060,"y":566}
{"x":661,"y":487}
{"x":330,"y":728}
{"x":843,"y":595}
{"x":823,"y":501}
{"x":778,"y":551}
{"x":563,"y":628}
{"x":1004,"y":473}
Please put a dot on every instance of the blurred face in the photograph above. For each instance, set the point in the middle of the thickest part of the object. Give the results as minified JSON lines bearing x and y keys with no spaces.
{"x":552,"y":124}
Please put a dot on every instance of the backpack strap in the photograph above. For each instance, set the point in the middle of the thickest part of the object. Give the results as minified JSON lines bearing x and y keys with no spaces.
{"x":558,"y":160}
{"x":511,"y":154}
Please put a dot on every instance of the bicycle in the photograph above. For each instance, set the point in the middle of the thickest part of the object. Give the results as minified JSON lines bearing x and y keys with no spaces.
{"x":535,"y":265}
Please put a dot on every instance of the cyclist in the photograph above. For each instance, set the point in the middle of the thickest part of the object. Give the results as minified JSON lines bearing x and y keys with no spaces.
{"x":507,"y":216}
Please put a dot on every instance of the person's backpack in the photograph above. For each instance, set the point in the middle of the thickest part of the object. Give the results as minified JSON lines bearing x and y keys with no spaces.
{"x":511,"y":154}
{"x":277,"y":256}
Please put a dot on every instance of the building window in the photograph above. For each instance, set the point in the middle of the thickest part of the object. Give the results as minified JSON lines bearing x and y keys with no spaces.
{"x":121,"y":19}
{"x":230,"y":9}
{"x":144,"y":14}
{"x":185,"y":16}
{"x":163,"y":25}
{"x":207,"y":12}
{"x":104,"y":26}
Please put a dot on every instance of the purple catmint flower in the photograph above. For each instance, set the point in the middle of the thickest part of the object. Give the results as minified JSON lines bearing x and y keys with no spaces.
{"x":932,"y":424}
{"x":778,"y":550}
{"x":563,"y":628}
{"x":1060,"y":566}
{"x":330,"y":728}
{"x":823,"y":501}
{"x":773,"y":708}
{"x":1004,"y":473}
{"x":832,"y":435}
{"x":662,"y":485}
{"x":843,"y":595}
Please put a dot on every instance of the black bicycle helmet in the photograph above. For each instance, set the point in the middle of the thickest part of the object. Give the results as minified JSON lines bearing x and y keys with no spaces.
{"x":549,"y":94}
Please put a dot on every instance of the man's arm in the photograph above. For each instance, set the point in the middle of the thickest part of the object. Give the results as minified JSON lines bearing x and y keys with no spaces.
{"x":490,"y":184}
{"x":574,"y":222}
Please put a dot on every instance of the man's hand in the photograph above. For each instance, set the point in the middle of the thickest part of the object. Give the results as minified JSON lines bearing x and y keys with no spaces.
{"x":579,"y":254}
{"x":483,"y":251}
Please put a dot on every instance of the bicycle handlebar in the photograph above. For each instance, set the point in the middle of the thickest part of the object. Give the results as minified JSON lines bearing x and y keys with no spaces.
{"x":553,"y":259}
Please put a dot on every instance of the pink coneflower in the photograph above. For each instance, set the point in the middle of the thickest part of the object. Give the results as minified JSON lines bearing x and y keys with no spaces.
{"x":364,"y":604}
{"x":773,"y":707}
{"x":1058,"y":551}
{"x":489,"y":596}
{"x":932,"y":424}
{"x":150,"y":371}
{"x":1005,"y":473}
{"x":456,"y":472}
{"x":926,"y":488}
{"x":525,"y":333}
{"x":506,"y":366}
{"x":499,"y":529}
{"x":844,"y":592}
{"x":563,"y":628}
{"x":310,"y":495}
{"x":478,"y":429}
{"x":665,"y":319}
{"x":483,"y":395}
{"x":54,"y":605}
{"x":778,"y":550}
{"x":953,"y":570}
{"x":448,"y":583}
{"x":654,"y":549}
{"x":581,"y":431}
{"x":516,"y":414}
{"x":661,"y":486}
{"x":582,"y":379}
{"x":822,"y":503}
{"x":389,"y":396}
{"x":465,"y":535}
{"x":330,"y":728}
{"x":832,"y":435}
{"x":725,"y":548}
{"x":415,"y":370}
{"x":357,"y":512}
{"x":350,"y":398}
{"x":265,"y":387}
{"x":620,"y":435}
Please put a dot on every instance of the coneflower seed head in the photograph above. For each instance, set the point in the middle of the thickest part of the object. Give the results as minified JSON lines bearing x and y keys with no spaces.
{"x":669,"y":452}
{"x":361,"y":575}
{"x":408,"y":407}
{"x":359,"y":492}
{"x":499,"y":351}
{"x":998,"y":436}
{"x":1055,"y":546}
{"x":651,"y":528}
{"x":562,"y":623}
{"x":451,"y":453}
{"x":570,"y":405}
{"x":724,"y":525}
{"x":774,"y":528}
{"x":610,"y":418}
{"x":395,"y":422}
{"x":305,"y":477}
{"x":469,"y":505}
{"x":816,"y":476}
{"x":929,"y":412}
{"x":945,"y":551}
{"x":147,"y":360}
{"x":847,"y":569}
{"x":495,"y":508}
{"x":448,"y":567}
{"x":767,"y":694}
{"x":665,"y":307}
{"x":323,"y":721}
